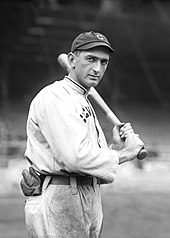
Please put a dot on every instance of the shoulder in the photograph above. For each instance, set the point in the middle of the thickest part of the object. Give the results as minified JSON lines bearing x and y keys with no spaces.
{"x":49,"y":91}
{"x":53,"y":95}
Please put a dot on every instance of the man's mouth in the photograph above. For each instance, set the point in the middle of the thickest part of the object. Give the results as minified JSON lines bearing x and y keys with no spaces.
{"x":94,"y":76}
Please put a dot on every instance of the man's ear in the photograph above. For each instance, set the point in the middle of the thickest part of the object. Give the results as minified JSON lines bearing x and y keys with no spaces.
{"x":71,"y":60}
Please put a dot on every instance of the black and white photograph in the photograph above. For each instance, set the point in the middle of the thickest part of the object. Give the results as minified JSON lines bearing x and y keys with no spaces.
{"x":84,"y":118}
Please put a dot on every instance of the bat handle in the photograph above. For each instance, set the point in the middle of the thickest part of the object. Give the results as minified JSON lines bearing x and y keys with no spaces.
{"x":113,"y":118}
{"x":142,"y":154}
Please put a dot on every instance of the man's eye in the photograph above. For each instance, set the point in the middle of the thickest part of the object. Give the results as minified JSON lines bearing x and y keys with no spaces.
{"x":104,"y":62}
{"x":90,"y":59}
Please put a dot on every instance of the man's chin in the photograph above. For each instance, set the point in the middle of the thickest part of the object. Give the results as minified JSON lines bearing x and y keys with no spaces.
{"x":93,"y":83}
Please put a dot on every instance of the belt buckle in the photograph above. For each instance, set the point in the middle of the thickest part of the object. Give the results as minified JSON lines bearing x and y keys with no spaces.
{"x":86,"y":180}
{"x":80,"y":180}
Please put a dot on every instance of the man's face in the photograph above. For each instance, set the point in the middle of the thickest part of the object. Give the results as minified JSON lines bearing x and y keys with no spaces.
{"x":90,"y":66}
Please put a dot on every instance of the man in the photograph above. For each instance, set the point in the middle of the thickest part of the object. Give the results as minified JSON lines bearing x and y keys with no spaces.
{"x":67,"y":147}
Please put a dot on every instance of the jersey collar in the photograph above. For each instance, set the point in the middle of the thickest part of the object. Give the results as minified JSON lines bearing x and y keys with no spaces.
{"x":76,"y":86}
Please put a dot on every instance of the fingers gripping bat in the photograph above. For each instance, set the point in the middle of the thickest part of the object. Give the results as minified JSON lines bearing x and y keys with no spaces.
{"x":100,"y":103}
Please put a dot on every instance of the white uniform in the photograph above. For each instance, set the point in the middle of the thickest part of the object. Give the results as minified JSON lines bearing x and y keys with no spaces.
{"x":64,"y":136}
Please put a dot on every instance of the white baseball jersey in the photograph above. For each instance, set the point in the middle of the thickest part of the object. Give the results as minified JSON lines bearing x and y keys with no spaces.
{"x":63,"y":133}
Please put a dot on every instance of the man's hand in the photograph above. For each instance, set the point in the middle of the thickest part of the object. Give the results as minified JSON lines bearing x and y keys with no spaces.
{"x":132,"y":146}
{"x":126,"y":142}
{"x":120,"y":133}
{"x":125,"y":130}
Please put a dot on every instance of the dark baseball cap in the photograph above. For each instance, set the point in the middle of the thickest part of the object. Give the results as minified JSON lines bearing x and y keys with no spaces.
{"x":88,"y":40}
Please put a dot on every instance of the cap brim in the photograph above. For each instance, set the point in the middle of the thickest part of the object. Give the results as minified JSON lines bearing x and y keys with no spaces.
{"x":95,"y":44}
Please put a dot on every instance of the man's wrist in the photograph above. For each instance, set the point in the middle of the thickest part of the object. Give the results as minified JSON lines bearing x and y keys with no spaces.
{"x":115,"y":147}
{"x":122,"y":156}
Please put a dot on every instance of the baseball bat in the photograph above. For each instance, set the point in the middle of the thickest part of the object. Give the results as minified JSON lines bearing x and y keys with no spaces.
{"x":100,"y":103}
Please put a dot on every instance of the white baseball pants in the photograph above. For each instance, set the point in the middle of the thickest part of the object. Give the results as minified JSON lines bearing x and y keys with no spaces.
{"x":65,"y":211}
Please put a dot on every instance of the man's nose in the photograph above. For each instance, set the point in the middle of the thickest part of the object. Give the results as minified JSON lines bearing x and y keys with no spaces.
{"x":97,"y":66}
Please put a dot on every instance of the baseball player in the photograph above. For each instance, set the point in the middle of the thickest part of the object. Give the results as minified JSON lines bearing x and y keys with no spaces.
{"x":67,"y":149}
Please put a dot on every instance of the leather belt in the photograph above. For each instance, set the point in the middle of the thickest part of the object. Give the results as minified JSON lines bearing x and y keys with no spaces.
{"x":81,"y":180}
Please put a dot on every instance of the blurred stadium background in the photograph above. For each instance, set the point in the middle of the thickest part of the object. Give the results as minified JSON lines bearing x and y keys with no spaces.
{"x":136,"y":86}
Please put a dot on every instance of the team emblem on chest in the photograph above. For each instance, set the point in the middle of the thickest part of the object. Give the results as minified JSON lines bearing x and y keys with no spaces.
{"x":86,"y":112}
